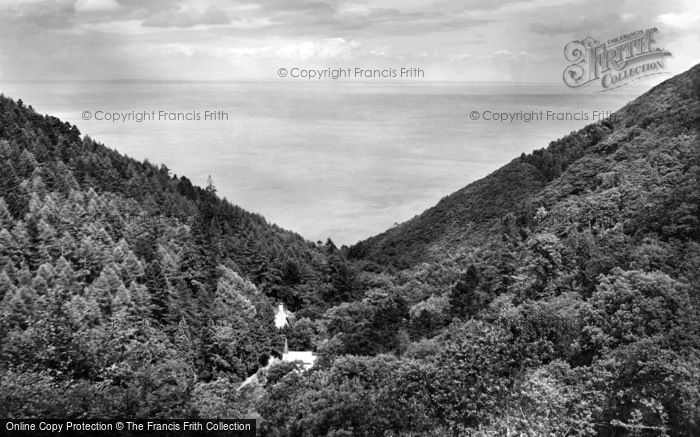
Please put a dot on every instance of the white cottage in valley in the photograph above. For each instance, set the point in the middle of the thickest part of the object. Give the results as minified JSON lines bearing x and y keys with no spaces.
{"x":307,"y":358}
{"x":282,"y":317}
{"x":285,"y":318}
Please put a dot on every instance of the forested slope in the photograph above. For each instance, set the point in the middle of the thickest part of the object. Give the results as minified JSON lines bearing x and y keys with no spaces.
{"x":558,"y":296}
{"x":125,"y":290}
{"x":669,"y":112}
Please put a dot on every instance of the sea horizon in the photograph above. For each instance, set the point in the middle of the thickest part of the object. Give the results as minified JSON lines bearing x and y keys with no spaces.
{"x":382,"y":152}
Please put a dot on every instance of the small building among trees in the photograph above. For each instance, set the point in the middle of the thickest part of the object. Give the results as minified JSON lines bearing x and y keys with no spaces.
{"x":283,"y":319}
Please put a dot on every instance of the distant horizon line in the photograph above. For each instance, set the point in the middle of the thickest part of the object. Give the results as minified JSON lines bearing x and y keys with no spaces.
{"x":274,"y":80}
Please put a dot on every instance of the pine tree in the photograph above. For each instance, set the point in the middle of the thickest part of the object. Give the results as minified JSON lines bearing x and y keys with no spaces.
{"x":157,"y":287}
{"x":21,"y":240}
{"x":131,"y":268}
{"x":123,"y":301}
{"x":83,"y":311}
{"x":6,"y":285}
{"x":27,"y":163}
{"x":183,"y":340}
{"x":8,"y":252}
{"x":5,"y":216}
{"x":141,"y":300}
{"x":211,"y":189}
{"x":118,"y":255}
{"x":65,"y":276}
{"x":105,"y":288}
{"x":39,"y":285}
{"x":91,"y":257}
{"x":18,"y":307}
{"x":13,"y":311}
{"x":229,"y":303}
{"x":46,"y":271}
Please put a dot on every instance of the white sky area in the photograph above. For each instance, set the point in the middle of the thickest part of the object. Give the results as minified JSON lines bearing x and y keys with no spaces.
{"x":454,"y":40}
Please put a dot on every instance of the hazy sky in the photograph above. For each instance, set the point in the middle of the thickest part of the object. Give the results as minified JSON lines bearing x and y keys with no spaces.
{"x":228,"y":39}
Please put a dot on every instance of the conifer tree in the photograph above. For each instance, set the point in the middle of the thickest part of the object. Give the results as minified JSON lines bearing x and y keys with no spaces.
{"x":6,"y":285}
{"x":105,"y":288}
{"x":5,"y":216}
{"x":131,"y":268}
{"x":157,"y":287}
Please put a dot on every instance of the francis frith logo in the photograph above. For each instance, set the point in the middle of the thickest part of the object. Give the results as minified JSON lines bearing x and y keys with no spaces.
{"x":615,"y":62}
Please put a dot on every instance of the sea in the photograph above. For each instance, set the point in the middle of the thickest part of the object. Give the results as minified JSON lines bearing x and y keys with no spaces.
{"x":339,"y":160}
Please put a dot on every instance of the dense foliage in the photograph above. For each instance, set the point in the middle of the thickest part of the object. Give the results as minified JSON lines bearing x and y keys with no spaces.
{"x":127,"y":291}
{"x":557,"y":296}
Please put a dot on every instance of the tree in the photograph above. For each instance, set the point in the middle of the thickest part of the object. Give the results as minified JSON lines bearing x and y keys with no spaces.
{"x":628,"y":306}
{"x":477,"y":369}
{"x":465,"y":300}
{"x":5,"y":216}
{"x":6,"y":285}
{"x":301,"y":335}
{"x":210,"y":189}
{"x":217,"y":399}
{"x":131,"y":268}
{"x":157,"y":287}
{"x":548,"y":400}
{"x":105,"y":289}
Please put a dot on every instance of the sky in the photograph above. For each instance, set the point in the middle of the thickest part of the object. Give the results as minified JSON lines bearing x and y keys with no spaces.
{"x":451,"y":40}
